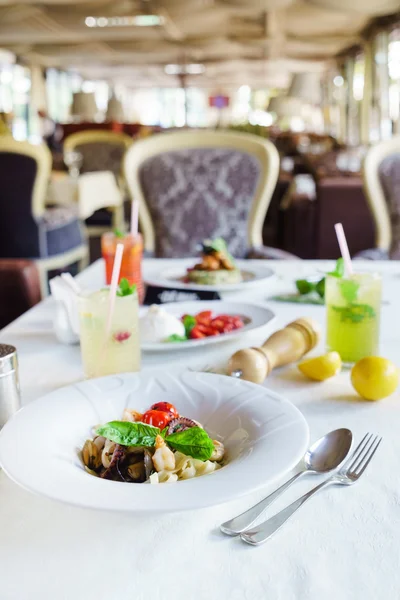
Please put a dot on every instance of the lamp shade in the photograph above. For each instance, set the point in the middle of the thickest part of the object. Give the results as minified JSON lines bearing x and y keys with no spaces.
{"x":84,"y":106}
{"x":285,"y":106}
{"x":306,"y":86}
{"x":115,"y":110}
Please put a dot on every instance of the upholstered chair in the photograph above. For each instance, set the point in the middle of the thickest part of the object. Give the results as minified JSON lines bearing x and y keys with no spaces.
{"x":101,"y":151}
{"x":381,"y":174}
{"x":194,"y":185}
{"x":52,"y":237}
{"x":20,"y":288}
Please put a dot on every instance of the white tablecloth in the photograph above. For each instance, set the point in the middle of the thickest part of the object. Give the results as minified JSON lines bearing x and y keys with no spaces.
{"x":343,"y":544}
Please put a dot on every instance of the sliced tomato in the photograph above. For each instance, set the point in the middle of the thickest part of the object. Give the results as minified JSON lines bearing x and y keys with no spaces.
{"x":204,"y":318}
{"x":218,"y":324}
{"x":214,"y":332}
{"x":165,"y":407}
{"x":196,"y":334}
{"x":206,"y":329}
{"x":238,"y":323}
{"x":157,"y":418}
{"x":228,"y":327}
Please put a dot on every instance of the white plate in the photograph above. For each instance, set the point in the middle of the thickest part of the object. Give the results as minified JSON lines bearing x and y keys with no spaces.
{"x":254,"y":273}
{"x":265,"y":436}
{"x":254,"y":316}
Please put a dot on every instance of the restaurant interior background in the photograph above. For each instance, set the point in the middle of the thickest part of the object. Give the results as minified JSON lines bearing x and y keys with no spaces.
{"x":319,"y":78}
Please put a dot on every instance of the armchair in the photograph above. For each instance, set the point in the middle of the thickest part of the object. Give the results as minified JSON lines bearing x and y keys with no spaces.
{"x":53,"y":238}
{"x":193,"y":185}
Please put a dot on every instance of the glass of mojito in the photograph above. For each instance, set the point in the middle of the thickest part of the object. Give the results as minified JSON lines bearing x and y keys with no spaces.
{"x":120,"y":352}
{"x":353,"y":307}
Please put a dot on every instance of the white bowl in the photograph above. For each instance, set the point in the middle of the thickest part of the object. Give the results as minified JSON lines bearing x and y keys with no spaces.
{"x":265,"y":436}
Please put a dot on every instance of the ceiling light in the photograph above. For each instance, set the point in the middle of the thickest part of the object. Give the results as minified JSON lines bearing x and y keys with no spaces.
{"x":128,"y":21}
{"x":338,"y":81}
{"x":90,"y":22}
{"x":191,"y":69}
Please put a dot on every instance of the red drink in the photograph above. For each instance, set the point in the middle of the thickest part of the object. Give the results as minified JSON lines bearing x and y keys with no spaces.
{"x":131,"y":267}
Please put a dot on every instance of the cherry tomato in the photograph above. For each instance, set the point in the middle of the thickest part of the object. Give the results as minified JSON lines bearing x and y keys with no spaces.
{"x":238,"y":323}
{"x":218,"y":324}
{"x":206,"y":329}
{"x":165,"y":407}
{"x":196,"y":334}
{"x":204,"y":318}
{"x":157,"y":418}
{"x":214,"y":331}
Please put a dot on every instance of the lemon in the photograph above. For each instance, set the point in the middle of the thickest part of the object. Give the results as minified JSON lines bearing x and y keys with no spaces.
{"x":321,"y":367}
{"x":374,"y":377}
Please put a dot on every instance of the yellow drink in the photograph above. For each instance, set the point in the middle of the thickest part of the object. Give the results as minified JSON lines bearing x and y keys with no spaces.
{"x":120,"y":352}
{"x":353,"y":315}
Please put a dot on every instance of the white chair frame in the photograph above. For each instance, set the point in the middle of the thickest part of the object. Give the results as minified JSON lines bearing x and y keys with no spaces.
{"x":375,"y":192}
{"x":263,"y":150}
{"x":90,"y":136}
{"x":43,"y":159}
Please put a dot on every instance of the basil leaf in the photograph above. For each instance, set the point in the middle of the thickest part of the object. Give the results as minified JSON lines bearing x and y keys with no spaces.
{"x":129,"y":434}
{"x":176,"y":338}
{"x":349,"y":290}
{"x":194,"y":442}
{"x":189,"y":321}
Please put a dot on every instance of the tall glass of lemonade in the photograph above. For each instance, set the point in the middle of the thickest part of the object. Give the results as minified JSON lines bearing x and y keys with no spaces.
{"x":353,"y":306}
{"x":120,"y":351}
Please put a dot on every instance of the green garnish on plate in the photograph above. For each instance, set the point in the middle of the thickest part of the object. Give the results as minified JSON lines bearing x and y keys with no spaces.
{"x":194,"y":442}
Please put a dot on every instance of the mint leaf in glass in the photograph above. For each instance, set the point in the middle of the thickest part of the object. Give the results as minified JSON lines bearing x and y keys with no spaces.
{"x":356,"y":313}
{"x":339,"y":269}
{"x":118,"y":233}
{"x":194,"y":442}
{"x":129,"y":434}
{"x":349,"y":290}
{"x":125,"y":288}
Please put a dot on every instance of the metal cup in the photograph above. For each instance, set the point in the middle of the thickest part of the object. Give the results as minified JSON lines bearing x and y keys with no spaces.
{"x":10,"y":400}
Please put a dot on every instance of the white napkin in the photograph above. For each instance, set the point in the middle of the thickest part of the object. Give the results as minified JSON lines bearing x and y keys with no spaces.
{"x":97,"y":190}
{"x":65,"y":291}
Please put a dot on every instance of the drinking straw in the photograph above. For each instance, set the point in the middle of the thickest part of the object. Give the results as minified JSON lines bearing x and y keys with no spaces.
{"x":111,"y":303}
{"x":134,"y":218}
{"x":113,"y":287}
{"x":344,"y":249}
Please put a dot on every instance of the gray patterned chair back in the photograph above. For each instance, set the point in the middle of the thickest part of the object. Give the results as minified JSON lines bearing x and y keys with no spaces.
{"x":389,"y":175}
{"x":199,"y":193}
{"x":101,"y":156}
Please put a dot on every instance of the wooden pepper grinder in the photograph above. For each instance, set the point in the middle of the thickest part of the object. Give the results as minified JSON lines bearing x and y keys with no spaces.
{"x":281,"y":348}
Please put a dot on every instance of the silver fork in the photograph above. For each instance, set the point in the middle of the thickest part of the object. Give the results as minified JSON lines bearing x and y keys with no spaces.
{"x":351,"y":471}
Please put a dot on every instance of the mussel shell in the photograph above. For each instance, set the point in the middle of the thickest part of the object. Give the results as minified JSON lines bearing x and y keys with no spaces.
{"x":91,"y":455}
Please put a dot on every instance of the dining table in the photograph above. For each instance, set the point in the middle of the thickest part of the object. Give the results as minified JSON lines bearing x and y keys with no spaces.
{"x":344,"y":543}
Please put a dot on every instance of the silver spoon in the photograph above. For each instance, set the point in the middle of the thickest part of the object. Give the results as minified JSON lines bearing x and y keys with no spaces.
{"x":323,"y":456}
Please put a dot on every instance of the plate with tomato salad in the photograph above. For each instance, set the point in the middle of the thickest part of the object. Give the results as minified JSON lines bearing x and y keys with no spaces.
{"x":211,"y":322}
